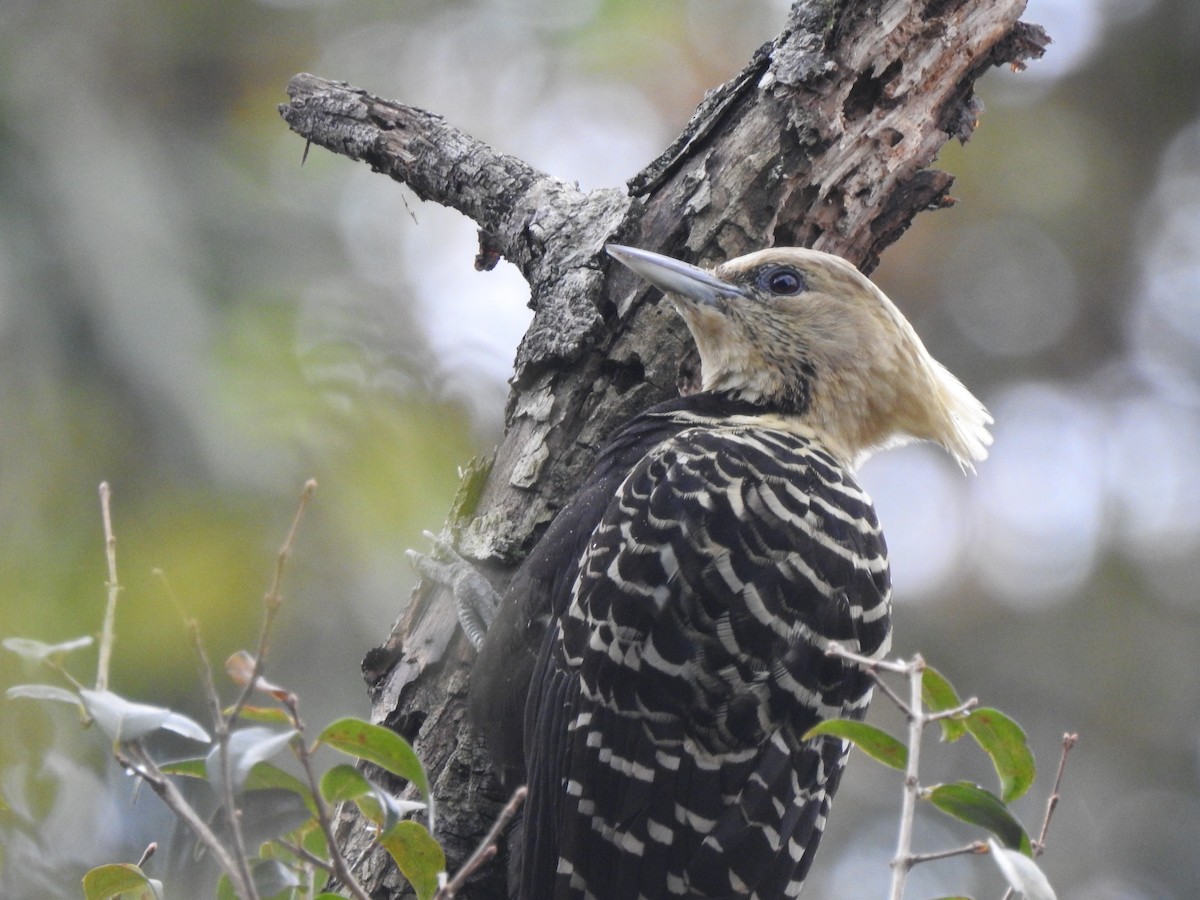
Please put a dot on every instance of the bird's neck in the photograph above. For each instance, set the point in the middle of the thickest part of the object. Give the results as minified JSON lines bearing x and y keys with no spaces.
{"x":730,"y":409}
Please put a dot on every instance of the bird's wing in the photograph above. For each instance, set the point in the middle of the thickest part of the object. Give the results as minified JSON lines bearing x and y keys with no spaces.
{"x":541,"y":588}
{"x":664,"y":720}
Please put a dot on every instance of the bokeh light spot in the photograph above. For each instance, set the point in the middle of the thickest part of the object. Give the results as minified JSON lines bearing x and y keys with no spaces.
{"x":919,"y":495}
{"x":1040,"y":497}
{"x":1010,"y":289}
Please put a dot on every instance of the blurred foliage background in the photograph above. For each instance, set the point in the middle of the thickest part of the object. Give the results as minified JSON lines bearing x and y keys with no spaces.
{"x":188,"y":313}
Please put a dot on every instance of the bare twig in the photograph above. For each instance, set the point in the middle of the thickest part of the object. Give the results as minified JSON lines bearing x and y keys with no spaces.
{"x":1068,"y":744}
{"x":134,"y":757}
{"x":234,"y":860}
{"x":223,"y":724}
{"x":962,"y":709}
{"x":273,"y":601}
{"x":1039,"y":846}
{"x":206,"y":674}
{"x":487,"y":848}
{"x":904,"y":861}
{"x":337,"y":860}
{"x":220,"y":727}
{"x":975,"y":848}
{"x":890,"y":693}
{"x":311,"y":858}
{"x":913,"y":710}
{"x":833,"y":648}
{"x":150,"y":850}
{"x":107,"y":634}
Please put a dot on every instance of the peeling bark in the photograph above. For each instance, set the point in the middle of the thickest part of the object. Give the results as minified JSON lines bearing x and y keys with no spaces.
{"x":825,"y":139}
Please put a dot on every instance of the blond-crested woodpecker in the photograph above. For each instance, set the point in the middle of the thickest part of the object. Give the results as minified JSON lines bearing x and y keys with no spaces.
{"x":656,"y":660}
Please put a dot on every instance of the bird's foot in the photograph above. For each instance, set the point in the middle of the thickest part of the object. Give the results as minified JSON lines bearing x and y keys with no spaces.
{"x":474,"y":597}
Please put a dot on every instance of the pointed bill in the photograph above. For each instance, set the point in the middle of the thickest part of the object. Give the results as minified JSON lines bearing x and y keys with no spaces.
{"x":672,"y":276}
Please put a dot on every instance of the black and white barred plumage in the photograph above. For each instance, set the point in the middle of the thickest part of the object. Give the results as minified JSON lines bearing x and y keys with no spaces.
{"x":672,"y":693}
{"x":665,"y":640}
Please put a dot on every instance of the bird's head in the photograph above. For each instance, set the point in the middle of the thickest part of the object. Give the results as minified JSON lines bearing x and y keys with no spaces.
{"x":805,"y":333}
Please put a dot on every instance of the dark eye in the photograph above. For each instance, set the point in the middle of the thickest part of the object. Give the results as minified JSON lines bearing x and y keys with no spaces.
{"x":782,"y":280}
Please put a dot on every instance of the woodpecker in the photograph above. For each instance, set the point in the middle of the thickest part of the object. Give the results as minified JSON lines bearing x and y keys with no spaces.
{"x":655,"y":662}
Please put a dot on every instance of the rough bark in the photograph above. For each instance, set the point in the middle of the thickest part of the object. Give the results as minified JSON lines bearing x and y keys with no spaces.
{"x":825,"y":140}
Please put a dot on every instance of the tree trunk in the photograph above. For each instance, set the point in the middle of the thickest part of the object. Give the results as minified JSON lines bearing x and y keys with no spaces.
{"x":824,"y":140}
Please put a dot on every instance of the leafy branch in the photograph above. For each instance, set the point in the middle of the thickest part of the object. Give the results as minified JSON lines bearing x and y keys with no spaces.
{"x":932,"y":699}
{"x":304,"y":857}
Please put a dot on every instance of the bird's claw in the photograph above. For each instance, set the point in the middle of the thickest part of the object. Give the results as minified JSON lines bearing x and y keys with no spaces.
{"x":474,"y":597}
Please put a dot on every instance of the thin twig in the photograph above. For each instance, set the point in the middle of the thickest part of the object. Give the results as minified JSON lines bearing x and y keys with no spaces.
{"x":903,"y":861}
{"x":221,"y":726}
{"x":1039,"y":846}
{"x":965,"y":707}
{"x":311,"y":858}
{"x":192,"y":627}
{"x":171,"y":597}
{"x":975,"y":848}
{"x":272,"y":602}
{"x":150,"y":850}
{"x":133,"y":756}
{"x":833,"y":648}
{"x":486,"y":850}
{"x":890,"y":693}
{"x":1068,"y":744}
{"x":107,"y":634}
{"x":336,"y":860}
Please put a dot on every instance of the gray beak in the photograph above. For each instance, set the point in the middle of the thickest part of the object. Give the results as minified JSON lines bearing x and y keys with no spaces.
{"x":674,"y":277}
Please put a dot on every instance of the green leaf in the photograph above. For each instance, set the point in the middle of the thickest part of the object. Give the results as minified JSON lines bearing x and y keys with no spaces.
{"x":247,"y":748}
{"x":271,"y":877}
{"x":181,"y":724}
{"x":314,"y":842}
{"x":939,"y":695}
{"x":190,"y":768}
{"x":877,"y":744}
{"x":971,"y":803}
{"x":266,"y":776}
{"x":381,"y":746}
{"x":120,"y":719}
{"x":106,"y":882}
{"x":417,"y":855}
{"x":269,"y":813}
{"x":36,"y":650}
{"x":269,"y":715}
{"x":344,"y":782}
{"x":1004,"y":741}
{"x":123,"y":720}
{"x":386,"y":809}
{"x":1022,"y":873}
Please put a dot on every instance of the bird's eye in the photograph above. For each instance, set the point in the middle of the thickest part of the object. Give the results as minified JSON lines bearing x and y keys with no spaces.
{"x":782,"y":280}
